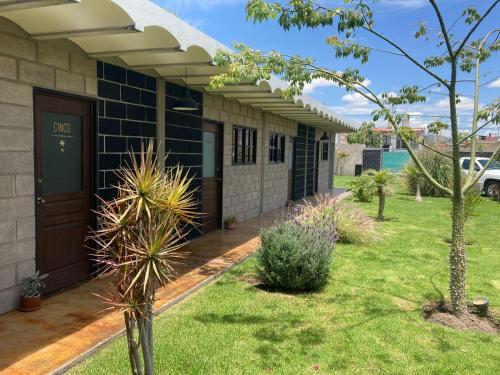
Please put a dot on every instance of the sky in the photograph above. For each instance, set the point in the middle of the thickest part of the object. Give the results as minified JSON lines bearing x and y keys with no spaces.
{"x":225,"y":20}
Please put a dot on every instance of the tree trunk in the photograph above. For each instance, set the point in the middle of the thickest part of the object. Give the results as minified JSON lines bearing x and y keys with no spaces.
{"x":418,"y":196}
{"x":458,"y":261}
{"x":144,"y":339}
{"x":381,"y":203}
{"x":135,"y":363}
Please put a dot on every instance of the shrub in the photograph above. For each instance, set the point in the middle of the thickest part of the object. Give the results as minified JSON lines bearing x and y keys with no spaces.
{"x":439,"y":168}
{"x":349,"y":223}
{"x":294,"y":256}
{"x":472,"y":199}
{"x":363,"y":188}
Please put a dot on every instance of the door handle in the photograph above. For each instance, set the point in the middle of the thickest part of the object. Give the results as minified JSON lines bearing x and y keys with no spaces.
{"x":40,"y":200}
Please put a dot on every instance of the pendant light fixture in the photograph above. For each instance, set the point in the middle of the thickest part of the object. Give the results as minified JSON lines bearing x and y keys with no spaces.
{"x":186,"y":103}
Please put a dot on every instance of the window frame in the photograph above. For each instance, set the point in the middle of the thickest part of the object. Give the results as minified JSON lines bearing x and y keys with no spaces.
{"x":325,"y":148}
{"x":277,"y":145}
{"x":245,"y":138}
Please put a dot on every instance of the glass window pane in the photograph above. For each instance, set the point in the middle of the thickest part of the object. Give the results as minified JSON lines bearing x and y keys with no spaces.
{"x":254,"y":146}
{"x":235,"y":145}
{"x":209,"y":154}
{"x":61,"y":153}
{"x":239,"y":158}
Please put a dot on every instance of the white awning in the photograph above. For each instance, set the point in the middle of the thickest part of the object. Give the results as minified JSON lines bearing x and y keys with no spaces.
{"x":147,"y":38}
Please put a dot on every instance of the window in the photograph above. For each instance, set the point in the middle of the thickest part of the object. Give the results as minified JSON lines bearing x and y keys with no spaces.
{"x":277,"y":148}
{"x":324,"y":151}
{"x":244,"y":145}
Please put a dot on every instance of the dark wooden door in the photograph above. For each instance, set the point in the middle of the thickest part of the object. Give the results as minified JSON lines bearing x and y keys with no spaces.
{"x":212,"y":176}
{"x":291,"y":149}
{"x":63,"y":187}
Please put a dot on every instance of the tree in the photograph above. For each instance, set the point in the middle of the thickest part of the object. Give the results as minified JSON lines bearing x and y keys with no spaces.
{"x":342,"y":156}
{"x":382,"y":180}
{"x":136,"y":244}
{"x":413,"y":174}
{"x":365,"y":135}
{"x":354,"y":20}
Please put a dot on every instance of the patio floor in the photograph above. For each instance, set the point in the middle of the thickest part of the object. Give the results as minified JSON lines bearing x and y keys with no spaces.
{"x":72,"y":322}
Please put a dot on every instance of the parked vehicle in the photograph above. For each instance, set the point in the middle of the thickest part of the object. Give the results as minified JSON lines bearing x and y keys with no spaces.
{"x":489,"y":179}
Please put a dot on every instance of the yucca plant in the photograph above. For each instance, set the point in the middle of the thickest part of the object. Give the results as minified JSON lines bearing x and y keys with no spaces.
{"x":137,"y":241}
{"x":382,"y":180}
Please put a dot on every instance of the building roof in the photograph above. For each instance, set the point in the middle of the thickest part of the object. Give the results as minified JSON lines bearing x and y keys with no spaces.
{"x":148,"y":38}
{"x":390,"y":130}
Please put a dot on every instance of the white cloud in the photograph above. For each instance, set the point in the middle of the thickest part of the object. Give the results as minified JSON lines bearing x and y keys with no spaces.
{"x":466,"y":104}
{"x":309,"y":88}
{"x":355,"y":99}
{"x":495,"y":84}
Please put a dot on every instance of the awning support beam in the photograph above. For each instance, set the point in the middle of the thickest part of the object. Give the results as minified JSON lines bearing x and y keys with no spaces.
{"x":86,"y":32}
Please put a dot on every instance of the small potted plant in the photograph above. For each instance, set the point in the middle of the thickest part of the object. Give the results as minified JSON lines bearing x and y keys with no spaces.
{"x":31,"y":297}
{"x":230,"y":222}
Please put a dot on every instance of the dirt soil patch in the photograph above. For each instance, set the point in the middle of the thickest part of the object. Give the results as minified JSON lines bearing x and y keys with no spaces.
{"x":441,"y":313}
{"x":252,"y":280}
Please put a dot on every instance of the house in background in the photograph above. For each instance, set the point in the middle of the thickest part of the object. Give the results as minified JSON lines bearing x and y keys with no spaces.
{"x":391,"y":142}
{"x":82,"y":83}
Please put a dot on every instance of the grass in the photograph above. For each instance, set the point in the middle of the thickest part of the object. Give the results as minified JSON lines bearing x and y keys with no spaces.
{"x":342,"y":181}
{"x":368,"y":319}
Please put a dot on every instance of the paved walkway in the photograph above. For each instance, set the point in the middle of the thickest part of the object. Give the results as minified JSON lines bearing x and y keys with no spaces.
{"x":72,"y":323}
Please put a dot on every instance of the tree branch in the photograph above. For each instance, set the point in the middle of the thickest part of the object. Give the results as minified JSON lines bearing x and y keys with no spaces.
{"x":443,"y":27}
{"x":477,"y":130}
{"x":473,"y":29}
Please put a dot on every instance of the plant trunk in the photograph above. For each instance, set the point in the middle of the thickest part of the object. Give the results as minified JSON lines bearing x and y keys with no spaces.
{"x":135,"y":363}
{"x":381,"y":203}
{"x":149,"y":325}
{"x":144,"y":339}
{"x":457,"y":259}
{"x":418,"y":196}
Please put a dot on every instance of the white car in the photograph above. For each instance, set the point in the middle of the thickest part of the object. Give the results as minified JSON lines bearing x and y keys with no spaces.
{"x":489,"y":179}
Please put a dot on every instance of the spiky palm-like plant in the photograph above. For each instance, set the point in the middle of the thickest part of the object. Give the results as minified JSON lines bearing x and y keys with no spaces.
{"x":383,"y":180}
{"x":136,"y":243}
{"x":414,"y":176}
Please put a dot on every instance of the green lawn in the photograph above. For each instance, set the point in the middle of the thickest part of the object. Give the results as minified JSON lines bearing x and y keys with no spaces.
{"x":342,"y":181}
{"x":368,"y":320}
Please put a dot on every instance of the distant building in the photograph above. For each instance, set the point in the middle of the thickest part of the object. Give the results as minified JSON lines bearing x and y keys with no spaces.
{"x":392,"y":142}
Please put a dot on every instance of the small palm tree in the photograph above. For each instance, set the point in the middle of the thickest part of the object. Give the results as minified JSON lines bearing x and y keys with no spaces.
{"x":383,"y":180}
{"x":416,"y":176}
{"x":136,"y":243}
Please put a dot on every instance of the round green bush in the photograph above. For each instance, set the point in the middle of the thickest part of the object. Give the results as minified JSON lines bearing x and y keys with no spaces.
{"x":295,"y":257}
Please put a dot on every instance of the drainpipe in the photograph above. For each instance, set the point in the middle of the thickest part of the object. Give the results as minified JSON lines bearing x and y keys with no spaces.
{"x":263,"y":149}
{"x":160,"y":121}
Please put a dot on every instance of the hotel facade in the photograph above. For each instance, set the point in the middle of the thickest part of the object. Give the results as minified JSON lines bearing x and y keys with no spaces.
{"x":84,"y":83}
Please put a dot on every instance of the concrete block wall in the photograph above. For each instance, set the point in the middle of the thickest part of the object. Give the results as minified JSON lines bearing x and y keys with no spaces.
{"x":276,"y":174}
{"x":346,"y":166}
{"x":323,"y":165}
{"x":241,"y":183}
{"x":25,"y":64}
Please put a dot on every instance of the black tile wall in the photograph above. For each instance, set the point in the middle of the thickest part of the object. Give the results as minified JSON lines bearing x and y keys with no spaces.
{"x":304,"y":162}
{"x":299,"y":162}
{"x":311,"y":132}
{"x":373,"y":158}
{"x":183,"y":137}
{"x":127,"y":119}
